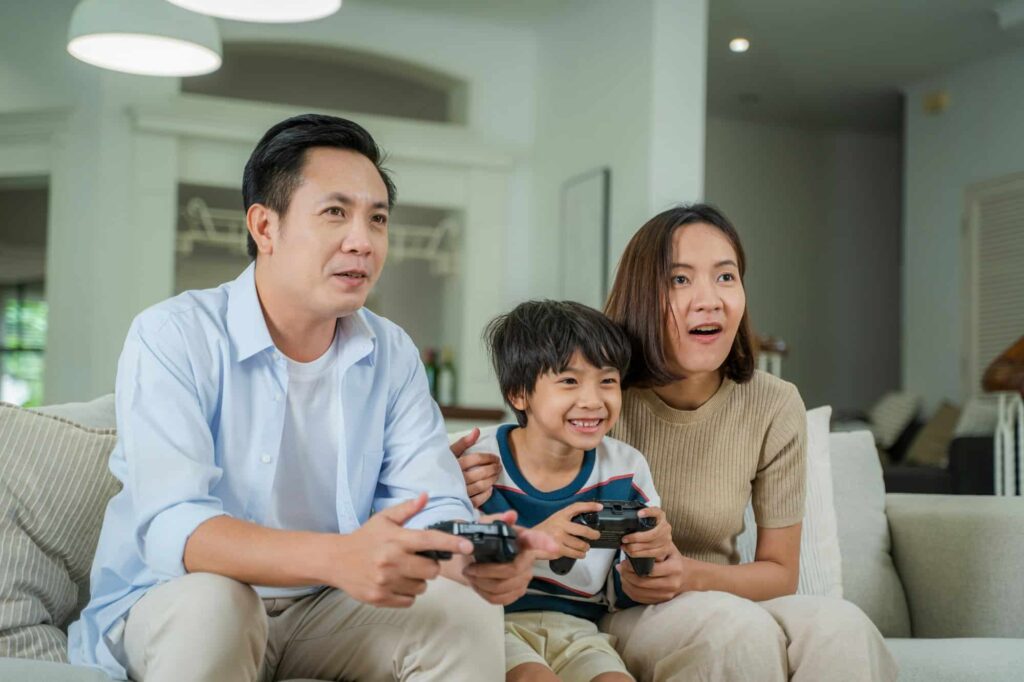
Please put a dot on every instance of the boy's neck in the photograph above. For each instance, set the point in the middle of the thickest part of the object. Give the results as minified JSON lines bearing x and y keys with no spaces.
{"x":546,"y":463}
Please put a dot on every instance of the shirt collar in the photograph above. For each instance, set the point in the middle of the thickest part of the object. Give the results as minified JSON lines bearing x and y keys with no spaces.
{"x":248,"y":328}
{"x":246,"y":325}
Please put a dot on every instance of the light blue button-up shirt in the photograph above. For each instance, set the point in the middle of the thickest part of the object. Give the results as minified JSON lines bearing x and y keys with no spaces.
{"x":200,"y":407}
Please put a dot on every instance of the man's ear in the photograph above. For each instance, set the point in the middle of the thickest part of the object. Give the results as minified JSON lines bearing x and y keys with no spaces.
{"x":263,"y":227}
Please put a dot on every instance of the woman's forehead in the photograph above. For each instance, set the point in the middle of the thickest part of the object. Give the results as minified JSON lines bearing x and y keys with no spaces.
{"x":700,"y":241}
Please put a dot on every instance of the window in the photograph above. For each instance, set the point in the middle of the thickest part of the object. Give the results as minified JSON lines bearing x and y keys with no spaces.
{"x":995,"y":276}
{"x":22,"y":344}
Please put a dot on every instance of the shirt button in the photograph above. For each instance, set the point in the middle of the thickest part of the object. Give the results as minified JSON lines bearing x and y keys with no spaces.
{"x":277,"y":397}
{"x":265,"y":458}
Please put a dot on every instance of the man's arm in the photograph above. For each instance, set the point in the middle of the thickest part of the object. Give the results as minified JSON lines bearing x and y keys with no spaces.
{"x":181,"y":526}
{"x":416,"y":455}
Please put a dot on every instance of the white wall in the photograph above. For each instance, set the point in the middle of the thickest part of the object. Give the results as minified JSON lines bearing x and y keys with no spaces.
{"x":978,"y":138}
{"x":620,"y":85}
{"x":818,"y":213}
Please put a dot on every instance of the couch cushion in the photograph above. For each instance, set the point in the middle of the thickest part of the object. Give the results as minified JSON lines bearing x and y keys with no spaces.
{"x":891,"y":416}
{"x":820,"y":562}
{"x":22,"y":670}
{"x":931,"y":444}
{"x":869,"y":577}
{"x":95,"y":414}
{"x":960,"y":558}
{"x":54,"y":487}
{"x":958,"y":660}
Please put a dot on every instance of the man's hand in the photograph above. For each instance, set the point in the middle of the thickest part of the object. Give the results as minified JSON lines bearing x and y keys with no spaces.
{"x":479,"y":469}
{"x":667,"y":579}
{"x":504,"y":583}
{"x":377,"y":564}
{"x":570,"y":538}
{"x":656,"y":542}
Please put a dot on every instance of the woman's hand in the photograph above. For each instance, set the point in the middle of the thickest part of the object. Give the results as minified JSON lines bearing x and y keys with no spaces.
{"x":570,"y":537}
{"x":480,"y":470}
{"x":656,"y":542}
{"x":668,"y":579}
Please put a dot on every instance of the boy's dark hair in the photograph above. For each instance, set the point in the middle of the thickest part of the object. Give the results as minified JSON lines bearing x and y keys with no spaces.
{"x":274,"y":168}
{"x":538,"y":337}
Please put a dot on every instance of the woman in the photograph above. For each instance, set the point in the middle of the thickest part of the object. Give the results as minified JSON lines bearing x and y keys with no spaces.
{"x":716,"y":433}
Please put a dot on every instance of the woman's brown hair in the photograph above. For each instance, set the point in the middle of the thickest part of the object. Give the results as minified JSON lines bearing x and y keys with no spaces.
{"x":639,"y":298}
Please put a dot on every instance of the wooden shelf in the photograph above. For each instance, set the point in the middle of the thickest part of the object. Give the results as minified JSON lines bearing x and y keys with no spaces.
{"x":483,"y":414}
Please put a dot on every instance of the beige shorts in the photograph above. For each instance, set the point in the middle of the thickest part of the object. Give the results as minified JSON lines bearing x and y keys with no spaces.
{"x":572,"y":647}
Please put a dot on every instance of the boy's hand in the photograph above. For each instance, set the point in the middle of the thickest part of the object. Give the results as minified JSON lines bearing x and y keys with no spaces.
{"x":570,"y":537}
{"x":377,"y":564}
{"x":656,"y":542}
{"x":504,"y":583}
{"x":480,"y":470}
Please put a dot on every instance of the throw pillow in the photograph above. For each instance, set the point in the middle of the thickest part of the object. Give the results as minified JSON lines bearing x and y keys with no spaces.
{"x":869,"y":577}
{"x":54,"y":487}
{"x":820,"y":561}
{"x":891,"y":416}
{"x":931,"y":446}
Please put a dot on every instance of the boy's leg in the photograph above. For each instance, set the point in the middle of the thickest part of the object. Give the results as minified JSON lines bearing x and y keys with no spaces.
{"x":449,"y":633}
{"x":531,"y":672}
{"x":199,"y":627}
{"x":579,"y":652}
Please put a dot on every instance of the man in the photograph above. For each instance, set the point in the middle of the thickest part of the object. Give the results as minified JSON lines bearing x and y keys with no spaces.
{"x":260,"y":425}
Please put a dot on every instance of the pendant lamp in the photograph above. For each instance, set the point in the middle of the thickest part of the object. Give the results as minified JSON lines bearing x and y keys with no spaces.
{"x":263,"y":11}
{"x":146,"y":37}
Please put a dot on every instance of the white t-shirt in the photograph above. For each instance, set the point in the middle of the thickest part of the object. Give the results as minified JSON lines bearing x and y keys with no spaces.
{"x":309,"y":445}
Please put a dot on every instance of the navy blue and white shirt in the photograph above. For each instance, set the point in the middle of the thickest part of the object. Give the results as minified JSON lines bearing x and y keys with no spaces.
{"x":611,"y":471}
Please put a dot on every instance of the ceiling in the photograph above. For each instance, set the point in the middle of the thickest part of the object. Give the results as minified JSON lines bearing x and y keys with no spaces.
{"x":822,"y":63}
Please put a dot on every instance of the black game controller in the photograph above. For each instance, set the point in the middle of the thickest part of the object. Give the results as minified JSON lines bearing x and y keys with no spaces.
{"x":617,"y":519}
{"x":493,"y":543}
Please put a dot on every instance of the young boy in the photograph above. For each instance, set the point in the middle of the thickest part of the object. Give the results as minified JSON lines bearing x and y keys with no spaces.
{"x":560,"y":366}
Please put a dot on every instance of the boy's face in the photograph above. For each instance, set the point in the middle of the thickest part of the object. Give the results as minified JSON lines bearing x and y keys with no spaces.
{"x":577,"y":406}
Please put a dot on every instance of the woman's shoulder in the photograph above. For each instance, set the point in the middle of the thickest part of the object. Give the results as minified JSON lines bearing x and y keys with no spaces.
{"x":769,"y":390}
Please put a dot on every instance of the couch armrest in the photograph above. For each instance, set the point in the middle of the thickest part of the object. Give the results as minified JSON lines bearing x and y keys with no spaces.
{"x":959,"y":558}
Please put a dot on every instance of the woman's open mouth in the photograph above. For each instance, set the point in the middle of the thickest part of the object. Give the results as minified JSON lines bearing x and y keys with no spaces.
{"x":706,"y":333}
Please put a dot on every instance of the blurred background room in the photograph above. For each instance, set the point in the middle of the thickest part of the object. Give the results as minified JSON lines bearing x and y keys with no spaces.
{"x":870,"y":153}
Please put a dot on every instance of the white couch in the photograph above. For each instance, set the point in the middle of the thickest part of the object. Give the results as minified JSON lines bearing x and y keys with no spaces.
{"x":939,"y":575}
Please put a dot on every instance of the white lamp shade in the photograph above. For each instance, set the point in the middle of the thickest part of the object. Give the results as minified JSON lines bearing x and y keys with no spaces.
{"x":147,"y":37}
{"x":264,"y":11}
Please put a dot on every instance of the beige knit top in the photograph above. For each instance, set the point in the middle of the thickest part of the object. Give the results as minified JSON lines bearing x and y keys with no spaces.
{"x":748,"y":441}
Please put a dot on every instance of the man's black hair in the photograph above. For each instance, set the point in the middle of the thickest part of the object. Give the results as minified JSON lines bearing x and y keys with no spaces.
{"x":274,"y":168}
{"x":538,"y":337}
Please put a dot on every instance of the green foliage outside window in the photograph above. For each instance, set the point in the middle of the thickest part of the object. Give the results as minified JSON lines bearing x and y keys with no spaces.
{"x":22,"y":341}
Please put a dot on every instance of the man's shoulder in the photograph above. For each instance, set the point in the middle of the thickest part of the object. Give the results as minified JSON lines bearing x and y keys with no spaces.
{"x":202,"y":310}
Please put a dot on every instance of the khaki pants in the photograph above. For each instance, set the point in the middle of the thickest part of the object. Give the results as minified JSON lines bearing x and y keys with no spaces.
{"x":207,"y":627}
{"x":722,"y":637}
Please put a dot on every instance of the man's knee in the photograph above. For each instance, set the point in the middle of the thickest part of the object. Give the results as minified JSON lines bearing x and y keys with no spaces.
{"x":211,"y":597}
{"x":454,"y":613}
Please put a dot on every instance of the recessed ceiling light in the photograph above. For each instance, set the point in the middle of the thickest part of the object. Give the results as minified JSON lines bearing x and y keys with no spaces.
{"x":739,"y":44}
{"x":264,"y":11}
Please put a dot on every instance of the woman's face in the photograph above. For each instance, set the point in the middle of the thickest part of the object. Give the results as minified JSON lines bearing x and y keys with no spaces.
{"x":706,"y":299}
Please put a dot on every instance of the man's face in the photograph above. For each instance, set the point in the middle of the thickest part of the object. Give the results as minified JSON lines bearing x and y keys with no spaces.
{"x":328,"y":249}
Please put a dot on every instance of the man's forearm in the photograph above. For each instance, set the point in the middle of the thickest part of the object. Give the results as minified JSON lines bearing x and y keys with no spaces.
{"x":258,"y":555}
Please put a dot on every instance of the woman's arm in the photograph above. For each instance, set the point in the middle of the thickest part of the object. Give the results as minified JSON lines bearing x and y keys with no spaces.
{"x":773,"y":573}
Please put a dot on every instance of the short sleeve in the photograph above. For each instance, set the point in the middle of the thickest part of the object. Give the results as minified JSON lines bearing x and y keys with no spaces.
{"x":780,"y":484}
